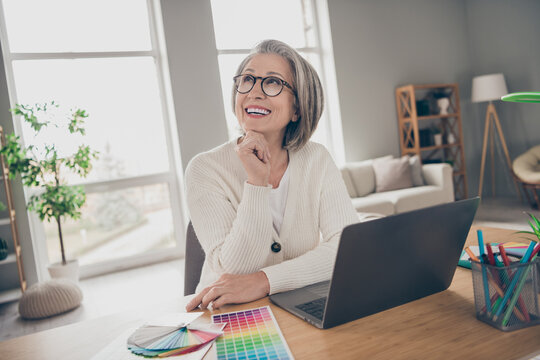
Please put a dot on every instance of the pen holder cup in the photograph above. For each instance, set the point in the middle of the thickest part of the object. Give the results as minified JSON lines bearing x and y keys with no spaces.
{"x":506,"y":297}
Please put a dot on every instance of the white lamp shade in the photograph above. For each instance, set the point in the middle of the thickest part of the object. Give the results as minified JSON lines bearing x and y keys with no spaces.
{"x":488,"y":87}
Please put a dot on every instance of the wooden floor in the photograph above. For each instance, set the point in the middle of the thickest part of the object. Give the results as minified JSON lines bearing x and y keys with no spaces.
{"x":104,"y":295}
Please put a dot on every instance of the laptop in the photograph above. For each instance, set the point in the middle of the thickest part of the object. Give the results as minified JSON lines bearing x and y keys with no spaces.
{"x":385,"y":263}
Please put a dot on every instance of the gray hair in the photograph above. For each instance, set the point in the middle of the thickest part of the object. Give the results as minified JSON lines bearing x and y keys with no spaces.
{"x":309,"y":99}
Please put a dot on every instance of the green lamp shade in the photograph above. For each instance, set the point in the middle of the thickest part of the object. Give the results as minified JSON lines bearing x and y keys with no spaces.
{"x":530,"y":97}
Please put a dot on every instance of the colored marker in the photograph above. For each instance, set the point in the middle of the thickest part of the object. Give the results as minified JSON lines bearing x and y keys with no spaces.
{"x":510,"y":288}
{"x":480,"y":237}
{"x":491,"y":258}
{"x":506,"y":262}
{"x":497,"y":261}
{"x":492,"y":273}
{"x":471,"y":254}
{"x":517,"y":294}
{"x":499,"y":291}
{"x":505,"y":259}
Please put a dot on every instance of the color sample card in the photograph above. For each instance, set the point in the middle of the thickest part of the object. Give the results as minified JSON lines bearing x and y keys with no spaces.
{"x":251,"y":334}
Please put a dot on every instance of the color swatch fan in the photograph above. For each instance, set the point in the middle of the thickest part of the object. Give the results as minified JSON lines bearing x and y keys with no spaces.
{"x":159,"y":339}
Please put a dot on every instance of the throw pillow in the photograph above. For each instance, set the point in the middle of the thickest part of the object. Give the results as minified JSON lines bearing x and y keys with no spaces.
{"x":362,"y":176}
{"x":416,"y":170}
{"x":392,"y":174}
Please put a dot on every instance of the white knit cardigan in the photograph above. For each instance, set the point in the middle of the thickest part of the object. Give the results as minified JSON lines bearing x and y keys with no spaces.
{"x":233,"y":221}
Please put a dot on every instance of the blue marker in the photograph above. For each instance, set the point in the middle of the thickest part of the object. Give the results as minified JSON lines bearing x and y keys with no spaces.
{"x":484,"y":273}
{"x":480,"y":242}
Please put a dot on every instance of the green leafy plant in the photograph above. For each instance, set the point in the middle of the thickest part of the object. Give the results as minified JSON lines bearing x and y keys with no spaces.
{"x":534,"y":223}
{"x":43,"y":167}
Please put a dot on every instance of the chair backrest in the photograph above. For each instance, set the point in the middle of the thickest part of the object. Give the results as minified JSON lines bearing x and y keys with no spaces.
{"x":194,"y":261}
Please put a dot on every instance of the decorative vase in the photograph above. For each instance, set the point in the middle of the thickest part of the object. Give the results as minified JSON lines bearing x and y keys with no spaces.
{"x":451,"y":139}
{"x":69,"y":271}
{"x":437,"y":139}
{"x":443,"y":104}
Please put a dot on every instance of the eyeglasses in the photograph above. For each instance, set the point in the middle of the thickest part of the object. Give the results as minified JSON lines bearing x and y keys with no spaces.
{"x":270,"y":85}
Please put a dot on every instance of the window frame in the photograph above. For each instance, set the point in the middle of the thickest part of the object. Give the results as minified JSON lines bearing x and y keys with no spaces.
{"x":331,"y":117}
{"x":173,"y":177}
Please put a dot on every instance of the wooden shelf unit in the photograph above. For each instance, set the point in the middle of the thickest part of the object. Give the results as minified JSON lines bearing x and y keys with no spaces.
{"x":11,"y":220}
{"x":410,"y":124}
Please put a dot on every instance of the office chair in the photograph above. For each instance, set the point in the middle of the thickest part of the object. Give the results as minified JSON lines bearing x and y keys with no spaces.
{"x":194,"y":261}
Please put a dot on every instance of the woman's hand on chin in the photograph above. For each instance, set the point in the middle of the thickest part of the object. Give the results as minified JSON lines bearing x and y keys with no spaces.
{"x":232,"y":289}
{"x":254,"y":154}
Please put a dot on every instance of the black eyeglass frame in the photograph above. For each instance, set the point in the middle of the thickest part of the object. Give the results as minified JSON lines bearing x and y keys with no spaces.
{"x":255,"y":78}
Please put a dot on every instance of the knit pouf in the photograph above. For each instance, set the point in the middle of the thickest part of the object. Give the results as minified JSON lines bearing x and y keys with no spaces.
{"x":49,"y":298}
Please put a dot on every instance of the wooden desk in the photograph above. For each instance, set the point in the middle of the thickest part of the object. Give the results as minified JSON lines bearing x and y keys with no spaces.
{"x":441,"y":326}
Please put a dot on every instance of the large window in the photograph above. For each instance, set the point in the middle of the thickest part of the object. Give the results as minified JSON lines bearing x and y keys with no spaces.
{"x":241,"y":24}
{"x":102,"y":56}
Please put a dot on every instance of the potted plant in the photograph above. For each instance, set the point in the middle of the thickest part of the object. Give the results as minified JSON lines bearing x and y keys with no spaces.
{"x":41,"y":167}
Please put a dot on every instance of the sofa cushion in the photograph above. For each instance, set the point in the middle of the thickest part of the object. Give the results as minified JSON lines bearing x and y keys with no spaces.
{"x":362,"y":176}
{"x":392,"y":174}
{"x":369,"y":204}
{"x":413,"y":198}
{"x":348,"y":182}
{"x":416,"y":170}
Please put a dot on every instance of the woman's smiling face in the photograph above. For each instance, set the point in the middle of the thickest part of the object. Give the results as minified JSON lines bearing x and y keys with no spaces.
{"x":259,"y":112}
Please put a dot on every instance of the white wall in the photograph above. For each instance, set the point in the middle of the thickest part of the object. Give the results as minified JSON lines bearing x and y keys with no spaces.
{"x":381,"y":44}
{"x":504,"y":36}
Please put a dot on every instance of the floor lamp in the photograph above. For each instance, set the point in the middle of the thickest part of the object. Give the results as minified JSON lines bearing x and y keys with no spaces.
{"x":489,"y":88}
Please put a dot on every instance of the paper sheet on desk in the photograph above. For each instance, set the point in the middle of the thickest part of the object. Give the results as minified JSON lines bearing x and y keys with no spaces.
{"x":174,"y":319}
{"x":117,"y":350}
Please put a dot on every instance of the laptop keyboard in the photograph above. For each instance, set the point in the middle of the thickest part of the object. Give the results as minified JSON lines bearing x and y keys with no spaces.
{"x":314,"y":308}
{"x":320,"y":289}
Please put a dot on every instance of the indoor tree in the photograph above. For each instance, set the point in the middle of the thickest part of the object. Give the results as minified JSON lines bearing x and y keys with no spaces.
{"x":42,"y":166}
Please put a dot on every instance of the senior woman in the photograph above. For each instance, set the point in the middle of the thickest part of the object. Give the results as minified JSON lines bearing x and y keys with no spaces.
{"x":268,"y":207}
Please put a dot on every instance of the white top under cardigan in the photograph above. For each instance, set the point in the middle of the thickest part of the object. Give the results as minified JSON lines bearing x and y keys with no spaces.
{"x":278,"y":200}
{"x":233,"y":221}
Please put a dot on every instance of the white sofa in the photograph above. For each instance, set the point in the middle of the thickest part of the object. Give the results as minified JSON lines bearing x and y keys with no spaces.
{"x":359,"y":177}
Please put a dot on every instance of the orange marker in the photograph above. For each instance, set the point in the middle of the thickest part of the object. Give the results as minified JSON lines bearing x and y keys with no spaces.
{"x":471,"y":254}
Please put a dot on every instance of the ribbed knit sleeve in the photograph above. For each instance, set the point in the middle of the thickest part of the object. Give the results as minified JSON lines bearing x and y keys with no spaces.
{"x":236,"y":237}
{"x":335,"y":211}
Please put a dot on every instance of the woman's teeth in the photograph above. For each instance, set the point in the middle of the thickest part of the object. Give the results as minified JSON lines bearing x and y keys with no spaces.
{"x":257,"y":111}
